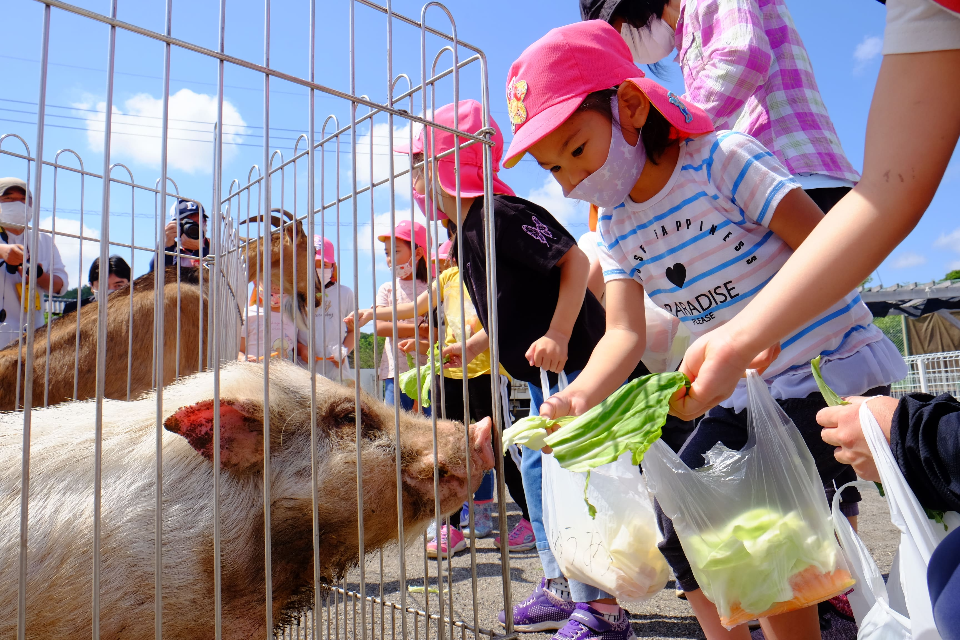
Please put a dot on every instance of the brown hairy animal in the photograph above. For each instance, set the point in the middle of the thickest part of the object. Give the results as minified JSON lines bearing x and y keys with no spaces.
{"x":60,"y":537}
{"x":289,"y":245}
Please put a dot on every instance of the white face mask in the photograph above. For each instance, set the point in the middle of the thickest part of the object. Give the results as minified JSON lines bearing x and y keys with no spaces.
{"x":324,"y":274}
{"x":609,"y":185}
{"x":650,"y":44}
{"x":403,"y":270}
{"x":15,"y":214}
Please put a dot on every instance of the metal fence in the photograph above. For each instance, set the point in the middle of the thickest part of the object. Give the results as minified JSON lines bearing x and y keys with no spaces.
{"x":932,"y":373}
{"x":113,"y":525}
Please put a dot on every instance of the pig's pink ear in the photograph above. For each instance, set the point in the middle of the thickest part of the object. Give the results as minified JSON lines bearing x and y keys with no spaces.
{"x":241,"y":433}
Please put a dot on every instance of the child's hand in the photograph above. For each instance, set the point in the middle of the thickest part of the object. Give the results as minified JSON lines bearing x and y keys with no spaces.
{"x":409,"y":344}
{"x":359,"y":319}
{"x":452,"y":358}
{"x":559,"y":405}
{"x":549,"y":352}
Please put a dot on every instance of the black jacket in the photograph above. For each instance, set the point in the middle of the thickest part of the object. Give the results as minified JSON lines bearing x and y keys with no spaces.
{"x":925,"y":441}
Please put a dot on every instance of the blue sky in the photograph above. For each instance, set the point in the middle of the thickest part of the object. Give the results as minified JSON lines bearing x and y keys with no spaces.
{"x":843,"y":40}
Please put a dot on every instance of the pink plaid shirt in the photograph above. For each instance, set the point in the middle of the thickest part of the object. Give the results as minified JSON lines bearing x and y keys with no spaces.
{"x":744,"y":63}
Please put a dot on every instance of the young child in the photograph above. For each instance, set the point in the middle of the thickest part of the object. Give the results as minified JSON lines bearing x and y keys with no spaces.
{"x":411,"y":263}
{"x":283,"y":330}
{"x":446,"y":293}
{"x":700,"y":219}
{"x":333,"y":341}
{"x":548,"y":319}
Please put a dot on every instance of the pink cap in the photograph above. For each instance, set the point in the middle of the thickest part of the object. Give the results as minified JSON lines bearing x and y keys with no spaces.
{"x":556,"y":73}
{"x":444,"y":251}
{"x":328,"y":253}
{"x":404,"y":231}
{"x":470,"y":115}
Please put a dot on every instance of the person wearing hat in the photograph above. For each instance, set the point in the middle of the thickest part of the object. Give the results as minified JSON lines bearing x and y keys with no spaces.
{"x":746,"y":66}
{"x":118,"y":278}
{"x":16,"y":214}
{"x":333,"y":340}
{"x":700,"y":220}
{"x":548,"y":319}
{"x":185,"y":234}
{"x":410,"y":268}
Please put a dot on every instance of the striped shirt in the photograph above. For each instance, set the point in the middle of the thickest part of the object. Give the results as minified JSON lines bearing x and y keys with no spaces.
{"x":744,"y":63}
{"x":702,"y":248}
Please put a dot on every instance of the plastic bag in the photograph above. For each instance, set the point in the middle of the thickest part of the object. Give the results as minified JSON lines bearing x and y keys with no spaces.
{"x":667,"y":338}
{"x":876,"y":619}
{"x":900,"y":608}
{"x":615,"y":551}
{"x":754,"y":524}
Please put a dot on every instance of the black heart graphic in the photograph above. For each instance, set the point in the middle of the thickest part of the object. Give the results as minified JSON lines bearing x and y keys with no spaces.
{"x":677,"y":274}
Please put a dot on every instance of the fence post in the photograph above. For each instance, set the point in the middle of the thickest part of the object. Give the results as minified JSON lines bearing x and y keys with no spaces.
{"x":922,"y":372}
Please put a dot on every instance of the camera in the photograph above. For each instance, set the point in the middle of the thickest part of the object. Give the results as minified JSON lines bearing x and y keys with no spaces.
{"x":190,"y":229}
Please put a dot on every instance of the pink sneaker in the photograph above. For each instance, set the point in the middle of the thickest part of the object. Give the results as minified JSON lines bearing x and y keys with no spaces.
{"x":521,"y":538}
{"x":448,"y":535}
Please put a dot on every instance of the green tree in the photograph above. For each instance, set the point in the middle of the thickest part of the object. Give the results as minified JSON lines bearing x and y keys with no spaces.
{"x":952,"y":275}
{"x":71,"y":294}
{"x":364,"y":349}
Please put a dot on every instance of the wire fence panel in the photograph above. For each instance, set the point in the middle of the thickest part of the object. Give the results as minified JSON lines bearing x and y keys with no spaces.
{"x":188,"y":450}
{"x":932,"y":373}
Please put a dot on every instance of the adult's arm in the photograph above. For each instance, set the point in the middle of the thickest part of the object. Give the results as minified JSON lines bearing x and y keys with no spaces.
{"x":736,"y":55}
{"x":902,"y":169}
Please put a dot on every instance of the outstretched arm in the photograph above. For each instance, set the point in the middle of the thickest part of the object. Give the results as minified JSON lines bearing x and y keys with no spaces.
{"x":902,"y":169}
{"x":405,"y":311}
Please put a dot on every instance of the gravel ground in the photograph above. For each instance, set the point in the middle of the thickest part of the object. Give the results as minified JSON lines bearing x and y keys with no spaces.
{"x":664,"y":616}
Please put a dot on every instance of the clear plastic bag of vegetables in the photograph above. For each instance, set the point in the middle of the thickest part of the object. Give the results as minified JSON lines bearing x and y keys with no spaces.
{"x":616,"y":550}
{"x":754,"y":524}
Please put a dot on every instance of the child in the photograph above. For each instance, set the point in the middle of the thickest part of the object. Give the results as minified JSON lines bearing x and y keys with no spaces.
{"x":283,"y":330}
{"x":411,"y":261}
{"x":703,"y":223}
{"x":549,"y":319}
{"x":332,"y":340}
{"x":446,"y":292}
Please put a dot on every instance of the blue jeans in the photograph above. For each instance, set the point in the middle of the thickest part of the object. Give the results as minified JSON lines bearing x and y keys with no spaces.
{"x":406,"y":402}
{"x":532,"y":471}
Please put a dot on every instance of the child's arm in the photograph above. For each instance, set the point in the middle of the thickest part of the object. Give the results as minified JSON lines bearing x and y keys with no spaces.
{"x":795,"y":217}
{"x":405,"y":311}
{"x":476,"y":344}
{"x":303,"y":352}
{"x":550,"y":351}
{"x":613,"y":359}
{"x":595,"y":279}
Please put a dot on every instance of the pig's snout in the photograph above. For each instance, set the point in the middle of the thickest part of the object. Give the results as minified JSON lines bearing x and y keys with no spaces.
{"x":482,"y":443}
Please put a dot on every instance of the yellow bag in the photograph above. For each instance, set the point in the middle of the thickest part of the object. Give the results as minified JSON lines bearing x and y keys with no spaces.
{"x":24,"y":298}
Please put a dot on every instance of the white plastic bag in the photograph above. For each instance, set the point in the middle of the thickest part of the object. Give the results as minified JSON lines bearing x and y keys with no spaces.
{"x":617,"y":550}
{"x":901,"y":608}
{"x":754,"y":524}
{"x":876,"y":619}
{"x":667,"y":338}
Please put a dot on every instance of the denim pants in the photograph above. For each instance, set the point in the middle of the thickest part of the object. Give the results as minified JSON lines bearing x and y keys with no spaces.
{"x":532,"y":471}
{"x":406,"y":402}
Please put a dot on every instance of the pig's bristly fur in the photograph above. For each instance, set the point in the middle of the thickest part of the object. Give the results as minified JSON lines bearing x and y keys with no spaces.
{"x":60,"y":538}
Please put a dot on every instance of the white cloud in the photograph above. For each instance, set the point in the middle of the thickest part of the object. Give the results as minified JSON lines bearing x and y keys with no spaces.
{"x":565,"y":210}
{"x":381,"y":157}
{"x":136,"y":129}
{"x":69,"y":248}
{"x":868,"y":49}
{"x":908,"y":259}
{"x":949,"y":241}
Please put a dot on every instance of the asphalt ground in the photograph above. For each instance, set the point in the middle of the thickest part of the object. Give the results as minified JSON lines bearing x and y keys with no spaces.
{"x":478,"y":601}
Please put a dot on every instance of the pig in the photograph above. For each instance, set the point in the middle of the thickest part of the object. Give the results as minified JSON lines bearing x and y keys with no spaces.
{"x":60,"y":558}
